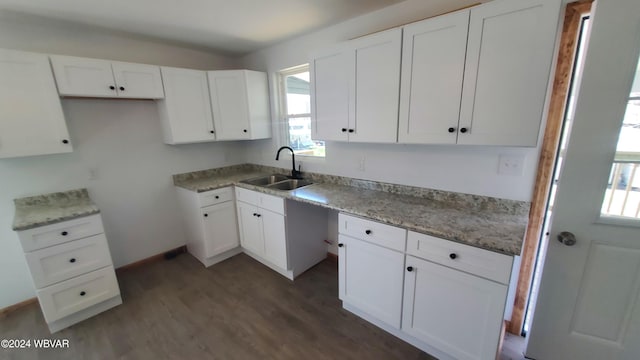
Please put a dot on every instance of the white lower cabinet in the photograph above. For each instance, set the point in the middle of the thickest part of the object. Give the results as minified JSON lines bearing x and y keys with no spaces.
{"x":72,"y":270}
{"x":211,"y":225}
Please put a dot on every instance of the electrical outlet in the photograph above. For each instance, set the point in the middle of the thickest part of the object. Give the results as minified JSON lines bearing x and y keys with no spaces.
{"x":361,"y":164}
{"x":511,"y":165}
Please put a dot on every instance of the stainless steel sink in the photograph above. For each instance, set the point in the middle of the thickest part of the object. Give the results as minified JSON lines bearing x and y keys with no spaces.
{"x":290,"y":184}
{"x":265,"y":180}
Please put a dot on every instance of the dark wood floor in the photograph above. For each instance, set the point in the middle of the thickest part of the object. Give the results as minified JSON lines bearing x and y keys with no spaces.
{"x":237,"y":309}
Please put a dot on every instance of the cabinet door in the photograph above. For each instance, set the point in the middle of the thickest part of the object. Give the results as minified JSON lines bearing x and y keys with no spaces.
{"x":509,"y":54}
{"x":250,"y":228}
{"x":375,"y":94}
{"x":220,"y":228}
{"x":432,"y":80}
{"x":229,"y":103}
{"x":330,"y":71}
{"x":32,"y":122}
{"x":83,"y":77}
{"x":370,"y":278}
{"x":275,"y":238}
{"x":455,"y":312}
{"x":137,"y":81}
{"x":186,"y":109}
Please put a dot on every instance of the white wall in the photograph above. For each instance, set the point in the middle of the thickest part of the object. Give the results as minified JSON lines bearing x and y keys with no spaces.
{"x":468,"y":169}
{"x":120,"y":139}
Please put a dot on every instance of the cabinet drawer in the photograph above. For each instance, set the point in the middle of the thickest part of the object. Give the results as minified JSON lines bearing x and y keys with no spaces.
{"x":215,"y":197}
{"x":71,"y":296}
{"x":484,"y":263}
{"x":59,"y":233}
{"x":61,"y":262}
{"x":247,"y":196}
{"x":272,"y":203}
{"x":373,"y":232}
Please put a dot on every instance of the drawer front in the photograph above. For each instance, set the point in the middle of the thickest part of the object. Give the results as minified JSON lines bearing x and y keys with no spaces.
{"x":247,"y":196}
{"x":373,"y":232}
{"x":272,"y":203}
{"x":61,"y":262}
{"x":484,"y":263}
{"x":71,"y":296}
{"x":49,"y":235}
{"x":215,"y":197}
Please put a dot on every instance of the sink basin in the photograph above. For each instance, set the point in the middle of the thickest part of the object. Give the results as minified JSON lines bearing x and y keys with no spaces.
{"x":290,"y":184}
{"x":265,"y":180}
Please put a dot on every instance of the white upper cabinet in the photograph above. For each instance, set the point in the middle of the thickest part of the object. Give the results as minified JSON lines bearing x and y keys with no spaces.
{"x":329,"y":70}
{"x":31,"y":117}
{"x":509,"y":55}
{"x":240,"y":104}
{"x":185,"y":111}
{"x":376,"y":88}
{"x":355,"y":90}
{"x":77,"y":76}
{"x":433,"y":55}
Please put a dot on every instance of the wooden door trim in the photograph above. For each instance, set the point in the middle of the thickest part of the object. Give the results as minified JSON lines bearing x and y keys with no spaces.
{"x":544,"y":175}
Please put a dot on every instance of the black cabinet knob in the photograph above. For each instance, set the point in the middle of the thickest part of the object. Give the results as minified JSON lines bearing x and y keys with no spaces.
{"x":72,"y":260}
{"x":340,"y":245}
{"x":65,"y":141}
{"x":112,"y":87}
{"x":82,"y":293}
{"x":410,"y":268}
{"x":64,"y":233}
{"x":344,"y":130}
{"x":258,"y":215}
{"x":452,"y":129}
{"x":254,"y":214}
{"x":211,"y":131}
{"x":351,"y":130}
{"x":217,"y":197}
{"x":453,"y":256}
{"x":463,"y":130}
{"x":121,"y":88}
{"x":206,"y":215}
{"x":245,"y":130}
{"x":368,"y":232}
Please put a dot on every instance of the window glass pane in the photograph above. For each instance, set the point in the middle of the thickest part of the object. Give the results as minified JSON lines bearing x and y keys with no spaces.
{"x":298,"y":94}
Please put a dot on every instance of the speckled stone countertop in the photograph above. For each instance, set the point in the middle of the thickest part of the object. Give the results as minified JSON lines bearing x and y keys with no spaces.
{"x":490,"y":223}
{"x":35,"y":211}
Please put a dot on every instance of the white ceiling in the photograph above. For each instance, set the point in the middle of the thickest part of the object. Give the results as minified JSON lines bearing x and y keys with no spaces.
{"x":230,"y":26}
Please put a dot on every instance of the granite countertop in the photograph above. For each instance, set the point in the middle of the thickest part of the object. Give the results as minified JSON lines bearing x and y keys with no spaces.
{"x":493,"y":224}
{"x":35,"y":211}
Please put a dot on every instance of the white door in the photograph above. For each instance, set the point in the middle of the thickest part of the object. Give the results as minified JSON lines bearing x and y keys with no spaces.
{"x":220,"y":228}
{"x":509,"y":54}
{"x":83,"y":77}
{"x":229,"y":104}
{"x":137,"y":81}
{"x":31,"y":117}
{"x":250,"y":228}
{"x":359,"y":262}
{"x":431,"y":85}
{"x":588,"y":306}
{"x":275,"y":238}
{"x":376,"y":87}
{"x":186,"y":109}
{"x":330,"y":71}
{"x":455,"y":312}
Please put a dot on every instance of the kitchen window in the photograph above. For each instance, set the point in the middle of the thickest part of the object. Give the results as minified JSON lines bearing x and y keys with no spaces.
{"x":296,"y":111}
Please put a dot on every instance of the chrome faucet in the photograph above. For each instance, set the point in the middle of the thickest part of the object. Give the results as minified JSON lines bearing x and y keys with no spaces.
{"x":295,"y":174}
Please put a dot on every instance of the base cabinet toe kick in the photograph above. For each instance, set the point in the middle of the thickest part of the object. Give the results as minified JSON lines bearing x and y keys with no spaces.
{"x":445,"y":298}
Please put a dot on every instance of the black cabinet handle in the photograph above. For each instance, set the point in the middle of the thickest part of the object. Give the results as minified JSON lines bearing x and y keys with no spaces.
{"x":258,"y":215}
{"x":340,"y":245}
{"x":452,"y":129}
{"x":368,"y":232}
{"x":344,"y":130}
{"x":351,"y":130}
{"x":254,"y":214}
{"x":410,"y":268}
{"x":211,"y":131}
{"x":245,"y":130}
{"x":112,"y":87}
{"x":65,"y":141}
{"x":64,"y":233}
{"x":82,"y":293}
{"x":206,"y":215}
{"x":453,"y":256}
{"x":463,"y":130}
{"x":72,"y":260}
{"x":121,"y":88}
{"x":217,"y":197}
